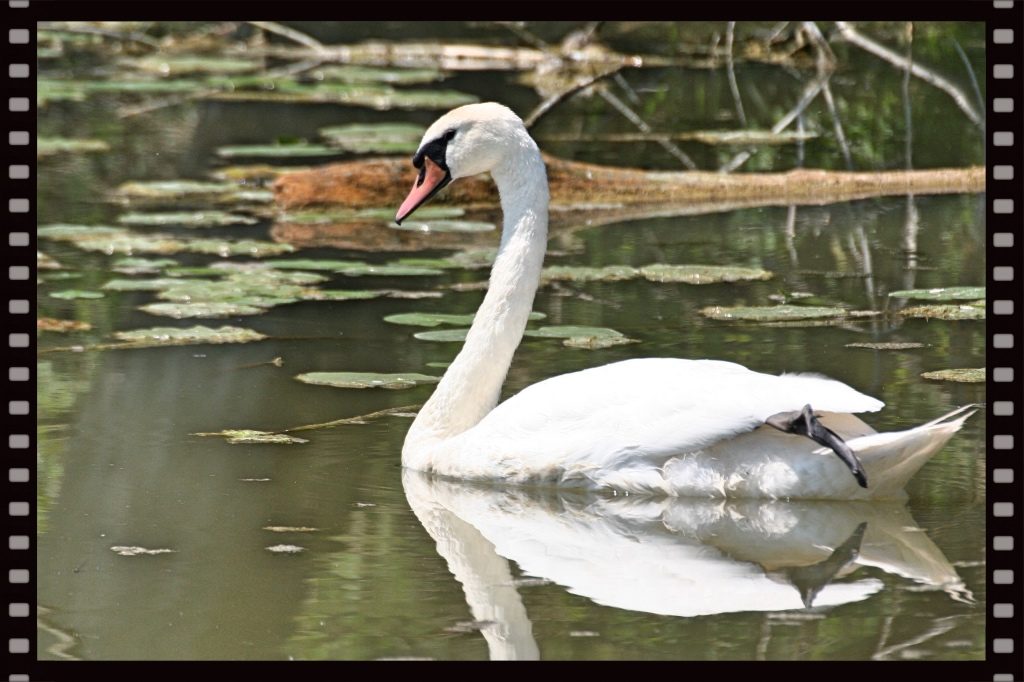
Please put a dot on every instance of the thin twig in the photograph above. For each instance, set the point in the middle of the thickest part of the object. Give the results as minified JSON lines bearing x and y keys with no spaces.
{"x":825,"y":62}
{"x":361,"y":419}
{"x":908,"y":126}
{"x":979,"y":100}
{"x":291,"y":34}
{"x":544,"y":107}
{"x":633,"y":118}
{"x":853,"y":36}
{"x":733,"y":87}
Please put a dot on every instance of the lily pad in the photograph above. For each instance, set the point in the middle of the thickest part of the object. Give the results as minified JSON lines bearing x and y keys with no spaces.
{"x":173,"y":189}
{"x":203,"y":310}
{"x":177,"y":336}
{"x":276,"y":151}
{"x":442,"y":335}
{"x":380,"y":138}
{"x":286,"y":549}
{"x":72,"y":294}
{"x":702,"y":274}
{"x":252,"y":173}
{"x":444,"y":226}
{"x":575,"y":273}
{"x":946,"y":311}
{"x":367,"y":74}
{"x":138,"y":551}
{"x":44,"y":262}
{"x":251,"y":437}
{"x":50,"y":324}
{"x":141,"y":284}
{"x":50,"y":146}
{"x":112,"y":240}
{"x":185,"y":65}
{"x":582,"y":337}
{"x":886,"y":345}
{"x":941,"y":294}
{"x":142,"y":266}
{"x":967,"y":376}
{"x":355,"y":269}
{"x":775,"y":313}
{"x":367,"y":379}
{"x":210,"y":218}
{"x":381,"y":97}
{"x":437,"y":319}
{"x":343,"y":294}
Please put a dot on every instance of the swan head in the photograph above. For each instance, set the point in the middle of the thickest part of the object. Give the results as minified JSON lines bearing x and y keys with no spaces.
{"x":469,"y":140}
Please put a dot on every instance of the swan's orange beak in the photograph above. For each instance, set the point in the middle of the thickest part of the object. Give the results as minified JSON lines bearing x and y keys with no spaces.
{"x":429,"y":182}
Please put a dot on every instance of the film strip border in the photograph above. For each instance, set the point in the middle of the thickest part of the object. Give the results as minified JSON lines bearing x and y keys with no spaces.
{"x":20,"y":353}
{"x":1004,"y":334}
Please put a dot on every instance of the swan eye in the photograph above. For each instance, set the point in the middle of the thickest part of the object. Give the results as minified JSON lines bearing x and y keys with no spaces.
{"x":449,"y":135}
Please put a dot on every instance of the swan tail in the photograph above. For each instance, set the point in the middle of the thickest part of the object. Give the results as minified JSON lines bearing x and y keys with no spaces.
{"x":892,"y":459}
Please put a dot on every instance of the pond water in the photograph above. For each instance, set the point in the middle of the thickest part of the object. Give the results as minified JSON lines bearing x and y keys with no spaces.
{"x":390,"y":564}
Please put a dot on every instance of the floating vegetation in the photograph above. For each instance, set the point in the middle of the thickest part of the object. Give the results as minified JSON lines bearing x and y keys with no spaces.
{"x":367,"y":74}
{"x":890,"y":345}
{"x":286,"y":549}
{"x":173,"y":189}
{"x":50,"y":324}
{"x":179,"y":336}
{"x":971,"y":311}
{"x":582,"y":337}
{"x":354,"y":268}
{"x":276,"y":151}
{"x":72,"y":294}
{"x":327,"y":216}
{"x":111,"y":240}
{"x":941,"y":294}
{"x":444,"y":226}
{"x":207,"y":310}
{"x":291,"y":529}
{"x":50,"y":146}
{"x":657,"y":272}
{"x":702,"y":274}
{"x":251,"y":173}
{"x":367,"y":379}
{"x":142,"y":266}
{"x":251,"y":437}
{"x":138,"y":551}
{"x":187,"y":65}
{"x":380,"y":138}
{"x":44,"y":262}
{"x":437,"y":319}
{"x":142,"y":284}
{"x":780,"y":313}
{"x":209,"y":218}
{"x":442,"y":335}
{"x":966,"y":376}
{"x":381,"y":97}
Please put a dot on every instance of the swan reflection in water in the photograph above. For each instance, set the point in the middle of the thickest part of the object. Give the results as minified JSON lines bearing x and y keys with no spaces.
{"x":668,"y":556}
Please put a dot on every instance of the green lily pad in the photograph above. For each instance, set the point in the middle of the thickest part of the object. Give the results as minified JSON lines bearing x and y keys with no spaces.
{"x":203,"y":309}
{"x":367,"y":379}
{"x":967,"y":376}
{"x":368,"y":74}
{"x":946,"y":312}
{"x":251,"y":437}
{"x":59,"y":276}
{"x":44,"y":262}
{"x":381,"y":97}
{"x":63,"y":232}
{"x":442,"y":335}
{"x":941,"y":294}
{"x":241,"y":247}
{"x":112,"y":240}
{"x":276,"y":151}
{"x":443,"y":226}
{"x":437,"y":319}
{"x":439,"y":365}
{"x":142,"y":266}
{"x":50,"y":324}
{"x":886,"y":345}
{"x":362,"y":269}
{"x":582,"y":337}
{"x":185,"y":65}
{"x":576,"y":273}
{"x":210,"y":218}
{"x":49,"y":146}
{"x":775,"y":313}
{"x":702,"y":274}
{"x":179,"y":336}
{"x":173,"y":189}
{"x":380,"y":138}
{"x":142,"y":284}
{"x":72,"y":294}
{"x":193,"y":271}
{"x":253,"y":173}
{"x":343,"y":294}
{"x":309,"y":264}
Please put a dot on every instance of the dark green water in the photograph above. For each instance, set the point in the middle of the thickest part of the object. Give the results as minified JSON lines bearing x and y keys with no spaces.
{"x":118,"y":466}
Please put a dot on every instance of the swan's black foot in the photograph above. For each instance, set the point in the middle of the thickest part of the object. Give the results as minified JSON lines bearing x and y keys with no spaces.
{"x":804,"y":423}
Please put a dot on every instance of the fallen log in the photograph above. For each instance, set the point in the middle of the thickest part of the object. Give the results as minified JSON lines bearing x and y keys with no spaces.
{"x":582,"y":186}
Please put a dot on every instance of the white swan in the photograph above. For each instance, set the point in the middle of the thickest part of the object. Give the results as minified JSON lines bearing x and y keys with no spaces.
{"x":655,"y":425}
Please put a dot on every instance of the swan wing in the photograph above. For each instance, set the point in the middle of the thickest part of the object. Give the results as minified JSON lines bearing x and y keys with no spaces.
{"x":638,"y":413}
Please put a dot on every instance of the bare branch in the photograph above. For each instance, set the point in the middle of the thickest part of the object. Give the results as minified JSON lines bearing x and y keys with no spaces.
{"x":291,"y":34}
{"x":848,"y":32}
{"x":733,"y":87}
{"x":96,"y":31}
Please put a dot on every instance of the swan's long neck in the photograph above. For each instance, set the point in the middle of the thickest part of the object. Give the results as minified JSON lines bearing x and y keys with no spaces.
{"x":471,"y":386}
